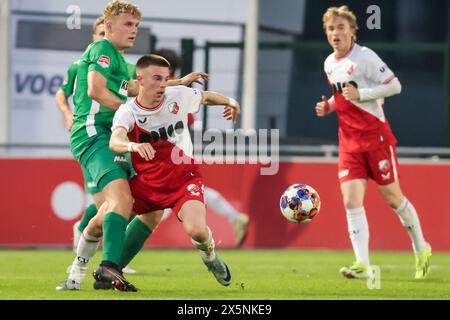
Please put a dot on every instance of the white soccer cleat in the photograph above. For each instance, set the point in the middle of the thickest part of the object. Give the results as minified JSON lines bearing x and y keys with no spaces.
{"x":240,"y":228}
{"x":128,"y":270}
{"x":68,"y":285}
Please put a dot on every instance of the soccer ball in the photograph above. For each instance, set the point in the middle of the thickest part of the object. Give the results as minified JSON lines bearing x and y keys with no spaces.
{"x":300,"y":203}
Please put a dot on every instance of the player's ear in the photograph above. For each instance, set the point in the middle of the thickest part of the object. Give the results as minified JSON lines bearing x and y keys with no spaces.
{"x":108,"y":26}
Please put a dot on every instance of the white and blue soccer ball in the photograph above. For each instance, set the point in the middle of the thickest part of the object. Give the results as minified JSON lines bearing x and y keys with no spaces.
{"x":300,"y":203}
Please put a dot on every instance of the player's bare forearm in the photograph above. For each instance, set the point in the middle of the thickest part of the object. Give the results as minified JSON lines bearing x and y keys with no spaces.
{"x":98,"y":91}
{"x":64,"y":107}
{"x":188,"y":79}
{"x":232,"y":107}
{"x":214,"y":98}
{"x":62,"y":103}
{"x":118,"y":142}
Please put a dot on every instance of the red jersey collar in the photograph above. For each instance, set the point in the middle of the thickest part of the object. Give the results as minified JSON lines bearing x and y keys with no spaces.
{"x":345,"y":55}
{"x":149,"y":108}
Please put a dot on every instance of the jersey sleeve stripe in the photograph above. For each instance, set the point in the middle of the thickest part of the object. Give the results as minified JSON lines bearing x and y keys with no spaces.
{"x":200,"y":103}
{"x":119,"y":126}
{"x":389,"y":79}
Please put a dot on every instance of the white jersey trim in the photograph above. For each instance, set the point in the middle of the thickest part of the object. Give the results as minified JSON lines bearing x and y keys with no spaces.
{"x":90,"y":121}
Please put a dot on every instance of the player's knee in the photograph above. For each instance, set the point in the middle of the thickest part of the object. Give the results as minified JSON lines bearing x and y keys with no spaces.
{"x":124,"y":205}
{"x":350,"y":203}
{"x":394,"y":201}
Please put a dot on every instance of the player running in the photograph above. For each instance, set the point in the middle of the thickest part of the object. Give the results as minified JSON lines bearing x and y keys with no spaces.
{"x":360,"y":81}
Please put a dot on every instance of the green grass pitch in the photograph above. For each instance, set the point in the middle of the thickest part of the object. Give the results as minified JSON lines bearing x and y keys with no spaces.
{"x":257,"y":274}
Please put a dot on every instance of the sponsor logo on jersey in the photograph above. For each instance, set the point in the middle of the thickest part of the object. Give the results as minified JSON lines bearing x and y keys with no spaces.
{"x":386,"y":176}
{"x":173,"y":108}
{"x":162,"y":133}
{"x":343,"y":173}
{"x":350,"y":71}
{"x":384,"y":166}
{"x":120,"y":159}
{"x":194,"y":190}
{"x":103,"y":61}
{"x":124,"y":88}
{"x":142,"y":121}
{"x":338,"y":86}
{"x":91,"y":184}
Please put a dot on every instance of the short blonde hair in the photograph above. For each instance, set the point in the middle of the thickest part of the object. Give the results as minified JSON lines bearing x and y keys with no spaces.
{"x":343,"y":12}
{"x":117,"y":7}
{"x":99,"y":21}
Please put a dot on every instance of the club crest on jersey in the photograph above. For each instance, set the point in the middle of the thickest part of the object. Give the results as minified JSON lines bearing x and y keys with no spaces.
{"x":384,"y":166}
{"x":103,"y":61}
{"x":174,"y":108}
{"x":194,"y":190}
{"x":350,"y":70}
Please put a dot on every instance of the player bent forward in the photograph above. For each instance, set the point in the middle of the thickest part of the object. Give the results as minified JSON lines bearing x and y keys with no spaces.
{"x":162,"y":155}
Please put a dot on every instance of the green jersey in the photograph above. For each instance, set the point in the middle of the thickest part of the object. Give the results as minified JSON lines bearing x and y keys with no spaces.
{"x":92,"y":121}
{"x":68,"y":85}
{"x":69,"y":81}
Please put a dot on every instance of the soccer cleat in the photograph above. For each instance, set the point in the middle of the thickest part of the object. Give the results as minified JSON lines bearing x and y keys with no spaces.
{"x":220,"y":270}
{"x":109,"y":278}
{"x":128,"y":270}
{"x":357,"y":270}
{"x":77,"y":272}
{"x":68,"y":285}
{"x":68,"y":269}
{"x":240,"y":228}
{"x":423,"y":262}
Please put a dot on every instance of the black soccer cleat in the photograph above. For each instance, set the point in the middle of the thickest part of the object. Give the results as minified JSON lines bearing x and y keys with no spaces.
{"x":108,"y":278}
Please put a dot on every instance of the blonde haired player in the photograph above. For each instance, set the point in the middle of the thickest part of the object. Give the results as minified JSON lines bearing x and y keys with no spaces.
{"x":360,"y":81}
{"x":103,"y":84}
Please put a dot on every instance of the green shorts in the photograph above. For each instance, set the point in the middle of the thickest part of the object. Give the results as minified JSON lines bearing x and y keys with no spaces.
{"x":104,"y":166}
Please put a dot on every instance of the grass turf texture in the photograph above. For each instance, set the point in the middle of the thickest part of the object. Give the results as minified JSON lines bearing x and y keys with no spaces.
{"x":257,"y":274}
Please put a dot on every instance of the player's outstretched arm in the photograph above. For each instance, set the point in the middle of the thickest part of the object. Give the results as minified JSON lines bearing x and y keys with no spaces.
{"x":232,"y":107}
{"x":64,"y":107}
{"x":119,"y":144}
{"x":324,"y":107}
{"x":98,"y":91}
{"x":188,"y":79}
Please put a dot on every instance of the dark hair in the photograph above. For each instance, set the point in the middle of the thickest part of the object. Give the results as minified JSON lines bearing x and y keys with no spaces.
{"x":171,"y":56}
{"x":152,"y":60}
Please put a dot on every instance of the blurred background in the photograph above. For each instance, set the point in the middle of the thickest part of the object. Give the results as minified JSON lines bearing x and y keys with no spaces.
{"x":41,"y":185}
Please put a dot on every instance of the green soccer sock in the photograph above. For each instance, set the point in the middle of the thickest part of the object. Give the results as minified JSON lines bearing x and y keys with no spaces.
{"x":135,"y":236}
{"x":90,"y":212}
{"x":114,"y":226}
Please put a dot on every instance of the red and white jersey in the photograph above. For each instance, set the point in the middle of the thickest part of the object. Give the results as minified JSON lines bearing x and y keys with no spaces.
{"x":362,"y":124}
{"x":165,"y":127}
